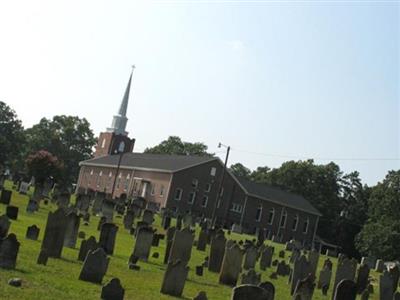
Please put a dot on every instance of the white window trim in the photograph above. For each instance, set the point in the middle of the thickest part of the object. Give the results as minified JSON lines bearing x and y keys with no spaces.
{"x":284,"y":214}
{"x":180,"y":194}
{"x":308,"y":225}
{"x":192,"y":197}
{"x":238,"y":208}
{"x":259,"y":217}
{"x":297,"y":223}
{"x":195,"y":182}
{"x":213,"y":171}
{"x":273,"y":216}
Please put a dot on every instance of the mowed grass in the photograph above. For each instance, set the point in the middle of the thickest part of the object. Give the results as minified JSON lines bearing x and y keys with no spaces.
{"x":59,"y":278}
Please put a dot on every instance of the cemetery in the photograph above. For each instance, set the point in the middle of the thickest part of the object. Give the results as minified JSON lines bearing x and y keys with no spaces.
{"x":65,"y":250}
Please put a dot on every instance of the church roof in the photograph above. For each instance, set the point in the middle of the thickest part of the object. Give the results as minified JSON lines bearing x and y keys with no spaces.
{"x":277,"y":195}
{"x":155,"y":162}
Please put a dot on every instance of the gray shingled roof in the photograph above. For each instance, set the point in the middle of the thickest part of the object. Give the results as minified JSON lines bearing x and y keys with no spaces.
{"x":161,"y":162}
{"x":277,"y":195}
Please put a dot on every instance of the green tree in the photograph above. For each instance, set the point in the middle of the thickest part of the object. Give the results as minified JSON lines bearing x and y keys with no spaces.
{"x":43,"y":165}
{"x":260,"y":174}
{"x":174,"y":145}
{"x":11,"y":137}
{"x":69,"y":138}
{"x":380,"y":236}
{"x":240,"y":170}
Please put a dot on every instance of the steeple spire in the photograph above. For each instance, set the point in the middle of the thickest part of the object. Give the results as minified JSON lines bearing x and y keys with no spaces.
{"x":119,"y":120}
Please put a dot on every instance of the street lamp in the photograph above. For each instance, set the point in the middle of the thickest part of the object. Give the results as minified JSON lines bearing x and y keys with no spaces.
{"x":221,"y":182}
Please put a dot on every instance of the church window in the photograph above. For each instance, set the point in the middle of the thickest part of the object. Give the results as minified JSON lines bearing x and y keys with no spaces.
{"x":283,"y":219}
{"x":305,"y":226}
{"x":178,"y":194}
{"x":258,"y":213}
{"x":271,"y":216}
{"x":192,"y":197}
{"x":295,"y":222}
{"x":213,"y":171}
{"x":205,"y":201}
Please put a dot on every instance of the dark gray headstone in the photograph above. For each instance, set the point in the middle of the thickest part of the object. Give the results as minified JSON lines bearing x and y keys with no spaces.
{"x":202,"y":242}
{"x":43,"y":257}
{"x":249,"y":292}
{"x":54,"y":233}
{"x":95,"y":266}
{"x":113,"y":290}
{"x":87,"y":245}
{"x":9,"y":248}
{"x":170,"y":238}
{"x":362,"y":278}
{"x":143,"y":243}
{"x":32,"y":232}
{"x":181,"y":248}
{"x":217,"y":251}
{"x":5,"y":196}
{"x":71,"y":232}
{"x":269,"y":288}
{"x":174,"y":278}
{"x":345,"y":290}
{"x":231,"y":265}
{"x":108,"y":235}
{"x":12,"y":212}
{"x":4,"y":226}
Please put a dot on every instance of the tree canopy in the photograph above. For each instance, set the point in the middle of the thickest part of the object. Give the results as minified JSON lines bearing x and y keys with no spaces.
{"x":174,"y":145}
{"x":69,"y":138}
{"x":43,"y":165}
{"x":11,"y":137}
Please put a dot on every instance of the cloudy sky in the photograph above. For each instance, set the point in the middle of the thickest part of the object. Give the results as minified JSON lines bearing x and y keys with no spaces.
{"x":276,"y":80}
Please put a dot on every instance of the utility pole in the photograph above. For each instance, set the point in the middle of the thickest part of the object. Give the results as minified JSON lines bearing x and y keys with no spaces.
{"x":220,"y":185}
{"x":121,"y":153}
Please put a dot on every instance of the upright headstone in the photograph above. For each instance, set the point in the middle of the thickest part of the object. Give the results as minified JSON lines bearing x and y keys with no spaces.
{"x":385,"y":286}
{"x":305,"y":288}
{"x":362,"y":278}
{"x":32,"y":232}
{"x":148,"y":217}
{"x":313,"y":258}
{"x":231,"y":265}
{"x":166,"y":222}
{"x":217,"y":251}
{"x":12,"y":212}
{"x":113,"y":290}
{"x":250,"y":258}
{"x":5,"y":196}
{"x":345,"y":290}
{"x":266,"y":258}
{"x":86,"y":246}
{"x":324,"y":279}
{"x":380,"y":266}
{"x":301,"y":269}
{"x":170,"y":239}
{"x":182,"y":243}
{"x":95,"y":266}
{"x":9,"y":248}
{"x":249,"y":292}
{"x":251,"y":277}
{"x":143,"y":243}
{"x":108,"y":235}
{"x":4,"y":226}
{"x":174,"y":278}
{"x":107,"y":210}
{"x":129,"y":219}
{"x":98,"y":202}
{"x":24,"y":188}
{"x":269,"y":288}
{"x":202,"y":242}
{"x":395,"y":274}
{"x":346,"y":269}
{"x":71,"y":232}
{"x":54,"y":233}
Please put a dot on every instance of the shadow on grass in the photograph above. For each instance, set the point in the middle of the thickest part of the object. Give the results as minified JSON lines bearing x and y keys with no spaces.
{"x":203,"y":283}
{"x":74,"y":261}
{"x":22,"y":271}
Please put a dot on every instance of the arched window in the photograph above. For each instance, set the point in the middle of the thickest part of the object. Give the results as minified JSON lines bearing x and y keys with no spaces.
{"x":295,"y":222}
{"x":271,"y":216}
{"x":282,"y":223}
{"x":305,"y":226}
{"x":258,"y":213}
{"x":121,"y":147}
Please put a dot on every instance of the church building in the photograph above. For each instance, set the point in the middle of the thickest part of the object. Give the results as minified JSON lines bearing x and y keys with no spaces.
{"x":183,"y":184}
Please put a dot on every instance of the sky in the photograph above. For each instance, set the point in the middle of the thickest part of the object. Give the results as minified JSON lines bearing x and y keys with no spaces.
{"x":275,"y":80}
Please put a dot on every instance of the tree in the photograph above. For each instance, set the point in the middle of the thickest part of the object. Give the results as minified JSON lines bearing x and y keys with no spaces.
{"x":260,"y":174}
{"x":69,"y":138}
{"x":174,"y":145}
{"x":380,"y":236}
{"x":240,"y":170}
{"x":43,"y":165}
{"x":11,"y":137}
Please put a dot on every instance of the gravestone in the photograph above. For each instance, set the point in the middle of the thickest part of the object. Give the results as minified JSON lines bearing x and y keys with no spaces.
{"x":187,"y":220}
{"x":380,"y":266}
{"x":346,"y":269}
{"x":170,"y":238}
{"x":365,"y":295}
{"x":174,"y":278}
{"x":108,"y":235}
{"x":9,"y":248}
{"x":202,"y":242}
{"x":98,"y":202}
{"x":4,"y":226}
{"x":281,"y":254}
{"x":231,"y":265}
{"x":201,"y":296}
{"x":33,"y":205}
{"x":32,"y":232}
{"x":156,"y":240}
{"x":282,"y":268}
{"x":305,"y":288}
{"x":385,"y":286}
{"x":54,"y":233}
{"x":43,"y":257}
{"x":324,"y":279}
{"x":143,"y":243}
{"x":369,"y":261}
{"x":313,"y":258}
{"x":128,"y":220}
{"x":5,"y":196}
{"x":266,"y":258}
{"x":12,"y":212}
{"x":107,"y":210}
{"x":295,"y":255}
{"x":251,"y":277}
{"x":86,"y":246}
{"x":217,"y":250}
{"x":95,"y":266}
{"x":63,"y":199}
{"x":345,"y":290}
{"x":328,"y":263}
{"x":269,"y":288}
{"x":249,"y":292}
{"x":179,"y":222}
{"x":301,"y":269}
{"x":24,"y":188}
{"x":395,"y":274}
{"x":102,"y":221}
{"x":181,"y":248}
{"x":113,"y":290}
{"x":250,"y":258}
{"x":396,"y":296}
{"x":362,"y":278}
{"x":166,"y":222}
{"x":148,"y":217}
{"x":72,"y":228}
{"x":199,"y":270}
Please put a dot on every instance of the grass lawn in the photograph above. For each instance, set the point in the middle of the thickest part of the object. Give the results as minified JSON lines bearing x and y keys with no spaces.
{"x":59,"y":279}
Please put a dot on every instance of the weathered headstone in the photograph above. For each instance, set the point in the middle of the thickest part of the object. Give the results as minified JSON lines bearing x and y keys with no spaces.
{"x":305,"y":288}
{"x":107,"y":210}
{"x":113,"y":290}
{"x":32,"y":206}
{"x":4,"y":226}
{"x":202,"y":242}
{"x":249,"y":291}
{"x":313,"y":258}
{"x":380,"y":266}
{"x":102,"y":221}
{"x":32,"y":232}
{"x":143,"y":243}
{"x":395,"y":274}
{"x":283,"y":269}
{"x":201,"y":296}
{"x":370,"y":261}
{"x":12,"y":212}
{"x":231,"y":265}
{"x":269,"y":288}
{"x":170,"y":239}
{"x":166,"y":222}
{"x":5,"y":196}
{"x":181,"y":248}
{"x":217,"y":251}
{"x":174,"y":278}
{"x":251,"y":277}
{"x":346,"y":269}
{"x":9,"y":248}
{"x":250,"y":258}
{"x":199,"y":270}
{"x":396,"y":296}
{"x":128,"y":219}
{"x":301,"y":269}
{"x":148,"y":217}
{"x":72,"y":228}
{"x":345,"y":290}
{"x":362,"y":278}
{"x":86,"y":246}
{"x":24,"y":188}
{"x":324,"y":279}
{"x":95,"y":266}
{"x":108,"y":235}
{"x":385,"y":286}
{"x":54,"y":233}
{"x":266,"y":258}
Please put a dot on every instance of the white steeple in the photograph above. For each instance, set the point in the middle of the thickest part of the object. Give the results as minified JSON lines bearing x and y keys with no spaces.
{"x":119,"y":121}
